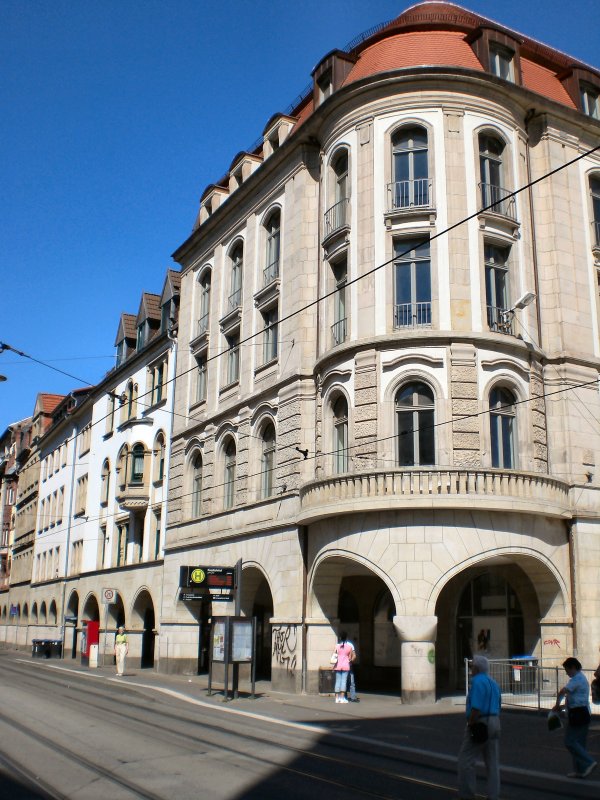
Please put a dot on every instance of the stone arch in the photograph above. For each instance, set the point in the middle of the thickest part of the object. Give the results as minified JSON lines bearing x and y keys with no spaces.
{"x":116,"y":613}
{"x":256,"y":600}
{"x":52,"y":613}
{"x":26,"y":612}
{"x":91,"y":609}
{"x":43,"y":613}
{"x":34,"y":612}
{"x":143,"y":618}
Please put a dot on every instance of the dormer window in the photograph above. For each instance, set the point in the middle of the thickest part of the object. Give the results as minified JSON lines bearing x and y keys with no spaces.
{"x":121,"y":351}
{"x":590,"y":103}
{"x":501,"y":62}
{"x":325,"y":86}
{"x":141,"y":336}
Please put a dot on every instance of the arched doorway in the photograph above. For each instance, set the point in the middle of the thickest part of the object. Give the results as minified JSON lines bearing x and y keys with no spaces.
{"x":257,"y":601}
{"x":496,"y":608}
{"x":356,"y":600}
{"x":71,"y":620}
{"x":143,"y":615}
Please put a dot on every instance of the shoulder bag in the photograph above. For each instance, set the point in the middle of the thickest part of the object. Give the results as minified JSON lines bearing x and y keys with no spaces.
{"x":579,"y":716}
{"x":479,"y":730}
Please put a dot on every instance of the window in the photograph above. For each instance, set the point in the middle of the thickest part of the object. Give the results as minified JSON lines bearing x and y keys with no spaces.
{"x":60,"y":505}
{"x":54,"y":507}
{"x":595,"y":191}
{"x":196,"y":485}
{"x":340,"y":277}
{"x":159,"y":454}
{"x":157,"y":526}
{"x":122,"y":466}
{"x":110,"y":417}
{"x":501,"y":62}
{"x":410,"y":170}
{"x":168,"y":313}
{"x":267,"y":462}
{"x":122,"y":534}
{"x":270,"y":334}
{"x":137,"y":464}
{"x":130,"y":405}
{"x":273,"y":231}
{"x":230,"y":465}
{"x":105,"y":481}
{"x":101,"y":547}
{"x":491,"y":171}
{"x":325,"y":85}
{"x":42,"y":516}
{"x":85,"y":439}
{"x":336,"y":216}
{"x":412,"y":291}
{"x":415,"y":420}
{"x":237,"y":265}
{"x":201,"y":379}
{"x":81,"y":495}
{"x":590,"y":103}
{"x":157,"y":378}
{"x":141,"y":336}
{"x":502,"y":428}
{"x":204,"y":317}
{"x":233,"y":357}
{"x":340,"y":435}
{"x":121,"y":352}
{"x":496,"y":288}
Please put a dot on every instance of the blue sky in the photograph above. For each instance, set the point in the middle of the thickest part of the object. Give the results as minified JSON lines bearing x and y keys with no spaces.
{"x":116,"y":115}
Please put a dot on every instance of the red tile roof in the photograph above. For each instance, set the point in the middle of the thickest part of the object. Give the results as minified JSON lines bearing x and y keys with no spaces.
{"x":544,"y":81}
{"x":48,"y":402}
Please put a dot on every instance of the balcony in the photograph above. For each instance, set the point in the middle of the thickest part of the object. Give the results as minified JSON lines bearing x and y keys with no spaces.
{"x":500,"y":320}
{"x":412,"y":315}
{"x":234,"y":300}
{"x":433,"y":488}
{"x":406,"y":195}
{"x":133,"y":496}
{"x":596,"y":235}
{"x":337,"y":220}
{"x":270,"y":273}
{"x":339,"y":332}
{"x":495,"y":200}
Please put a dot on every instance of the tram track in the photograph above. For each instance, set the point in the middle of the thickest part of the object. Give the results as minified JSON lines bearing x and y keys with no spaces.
{"x":340,"y":757}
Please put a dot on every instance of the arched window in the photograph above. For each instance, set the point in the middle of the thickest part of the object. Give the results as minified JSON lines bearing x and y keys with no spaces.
{"x":415,"y":419}
{"x":204,"y":316}
{"x":130,"y":405}
{"x":137,"y":464}
{"x":496,"y":288}
{"x":412,"y":283}
{"x":595,"y":191}
{"x":502,"y":428}
{"x":267,"y":463}
{"x":196,"y":485}
{"x":336,"y":216}
{"x":105,"y":483}
{"x":237,"y":266}
{"x":273,"y":232}
{"x":410,"y":169}
{"x":340,"y":435}
{"x":122,"y":465}
{"x":229,"y":482}
{"x":491,"y":171}
{"x":159,"y":454}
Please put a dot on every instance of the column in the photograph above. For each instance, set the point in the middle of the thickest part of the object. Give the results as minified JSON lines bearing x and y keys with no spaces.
{"x":418,"y":635}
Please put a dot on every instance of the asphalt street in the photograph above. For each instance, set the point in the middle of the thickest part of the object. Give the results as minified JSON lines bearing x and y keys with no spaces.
{"x":77,"y":734}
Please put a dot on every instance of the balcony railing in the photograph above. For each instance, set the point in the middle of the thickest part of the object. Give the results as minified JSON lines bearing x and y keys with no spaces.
{"x":596,"y":226}
{"x":496,"y":198}
{"x":434,"y":487}
{"x":271,"y":273}
{"x":409,"y":194}
{"x":203,"y":324}
{"x":412,"y":315}
{"x":338,"y":332}
{"x":235,"y":300}
{"x":336,"y":217}
{"x":500,"y":320}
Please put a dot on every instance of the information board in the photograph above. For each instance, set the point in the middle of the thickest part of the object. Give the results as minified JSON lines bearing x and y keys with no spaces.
{"x":214,"y":583}
{"x":218,"y":641}
{"x":241,"y":640}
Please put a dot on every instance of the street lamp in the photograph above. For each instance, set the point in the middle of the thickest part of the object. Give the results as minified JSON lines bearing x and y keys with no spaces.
{"x":508,"y":314}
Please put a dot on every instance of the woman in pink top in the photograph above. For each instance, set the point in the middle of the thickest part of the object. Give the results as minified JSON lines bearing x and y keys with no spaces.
{"x":345,"y":656}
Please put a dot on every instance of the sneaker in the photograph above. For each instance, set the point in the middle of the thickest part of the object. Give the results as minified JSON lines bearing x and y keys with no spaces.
{"x":590,"y":769}
{"x":343,"y":700}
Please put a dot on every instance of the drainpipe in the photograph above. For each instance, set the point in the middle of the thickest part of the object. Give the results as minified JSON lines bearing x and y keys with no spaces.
{"x":571,"y":543}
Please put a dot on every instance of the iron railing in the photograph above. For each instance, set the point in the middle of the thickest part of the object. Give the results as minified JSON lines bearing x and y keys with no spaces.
{"x":235,"y":299}
{"x":336,"y":217}
{"x":409,"y":194}
{"x":500,"y":320}
{"x":271,"y":273}
{"x":338,"y":331}
{"x":596,"y":226}
{"x":498,"y":201}
{"x":203,"y":324}
{"x":412,"y":315}
{"x":526,"y":683}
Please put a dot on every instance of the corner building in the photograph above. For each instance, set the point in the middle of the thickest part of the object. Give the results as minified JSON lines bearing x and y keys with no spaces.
{"x":386,"y":402}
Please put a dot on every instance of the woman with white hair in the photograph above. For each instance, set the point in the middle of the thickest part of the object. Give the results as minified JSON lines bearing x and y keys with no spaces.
{"x":482,"y":734}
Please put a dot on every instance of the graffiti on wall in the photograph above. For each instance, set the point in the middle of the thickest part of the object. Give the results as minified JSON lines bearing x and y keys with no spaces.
{"x":285,"y":641}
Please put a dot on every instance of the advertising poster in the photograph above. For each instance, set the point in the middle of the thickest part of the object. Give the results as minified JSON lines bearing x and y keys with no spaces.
{"x":218,"y":644}
{"x":241,"y":647}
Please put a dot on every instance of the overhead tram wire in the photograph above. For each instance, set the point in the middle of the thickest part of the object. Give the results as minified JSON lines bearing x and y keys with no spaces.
{"x":332,"y":293}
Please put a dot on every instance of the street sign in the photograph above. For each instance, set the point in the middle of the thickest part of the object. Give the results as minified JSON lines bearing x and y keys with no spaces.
{"x":213,"y":583}
{"x":109,"y":596}
{"x":14,"y":611}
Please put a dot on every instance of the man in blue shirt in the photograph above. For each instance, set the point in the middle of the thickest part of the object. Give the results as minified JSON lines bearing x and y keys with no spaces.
{"x":483,"y":706}
{"x":577,"y":694}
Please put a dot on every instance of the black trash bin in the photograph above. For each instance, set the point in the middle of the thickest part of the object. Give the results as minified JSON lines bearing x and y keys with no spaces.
{"x":326,"y":680}
{"x":524,"y":674}
{"x":55,"y":648}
